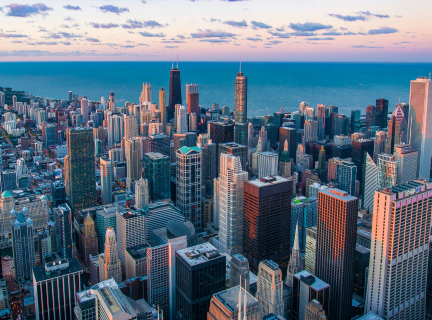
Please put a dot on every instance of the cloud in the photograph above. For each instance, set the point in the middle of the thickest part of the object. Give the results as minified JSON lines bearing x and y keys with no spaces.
{"x":402,"y":42}
{"x":238,"y":24}
{"x":347,"y":18}
{"x":69,"y":19}
{"x":331,"y":33}
{"x":280,"y":35}
{"x":66,"y":43}
{"x":302,"y":34}
{"x":272,"y":42}
{"x":135,"y":24}
{"x":103,"y":25}
{"x":40,"y":53}
{"x":349,"y":33}
{"x":381,"y":16}
{"x":365,"y":47}
{"x":26,"y":10}
{"x":148,"y":34}
{"x":171,"y":47}
{"x":215,"y":20}
{"x":309,"y":26}
{"x":16,"y":41}
{"x":113,"y":9}
{"x":89,"y":39}
{"x":261,"y":25}
{"x":180,"y":36}
{"x":212,"y":34}
{"x":316,"y":38}
{"x":214,"y":40}
{"x":173,"y":41}
{"x":254,"y":39}
{"x":68,"y":35}
{"x":12,"y":35}
{"x":144,"y":1}
{"x":46,"y":43}
{"x":382,"y":30}
{"x":75,"y":8}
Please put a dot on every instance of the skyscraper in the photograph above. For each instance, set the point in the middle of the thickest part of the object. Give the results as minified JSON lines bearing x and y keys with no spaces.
{"x":85,"y":111}
{"x":270,"y":288}
{"x":381,"y":112}
{"x":285,"y":166}
{"x":188,"y":175}
{"x":267,"y":164}
{"x":63,"y":222}
{"x":163,"y":108}
{"x":359,"y":147}
{"x":88,"y":240}
{"x":336,"y":241}
{"x":346,"y":176}
{"x":370,"y":116}
{"x":420,"y":123}
{"x":388,"y":167}
{"x":321,"y":115}
{"x":296,"y":263}
{"x":133,"y":163}
{"x":240,"y":109}
{"x":115,"y":129}
{"x":23,"y":245}
{"x":112,"y":103}
{"x":106,"y":180}
{"x":399,"y":255}
{"x":80,"y":168}
{"x":311,"y":131}
{"x":209,"y":167}
{"x":370,"y":183}
{"x":130,"y":127}
{"x":229,"y":203}
{"x":109,"y":263}
{"x":157,"y":172}
{"x":237,"y":150}
{"x":141,"y":193}
{"x":192,"y":98}
{"x":290,"y":134}
{"x":267,"y":216}
{"x":175,"y":96}
{"x":314,"y":311}
{"x":239,"y":271}
{"x":379,"y":144}
{"x":146,"y":94}
{"x":48,"y":134}
{"x":310,"y":254}
{"x":397,"y":129}
{"x":408,"y":158}
{"x":355,"y":120}
{"x":181,"y":119}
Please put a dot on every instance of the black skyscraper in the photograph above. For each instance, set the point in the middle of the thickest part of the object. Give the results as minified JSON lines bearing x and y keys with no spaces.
{"x":174,"y":92}
{"x":359,"y":147}
{"x":381,"y":113}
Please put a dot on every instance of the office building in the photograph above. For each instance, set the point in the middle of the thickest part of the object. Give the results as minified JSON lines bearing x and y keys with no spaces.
{"x":270,"y":288}
{"x":8,"y":180}
{"x":397,"y":130}
{"x":308,"y":289}
{"x":266,"y":225}
{"x":159,"y":215}
{"x":192,"y":98}
{"x":23,"y":245}
{"x":115,"y":129}
{"x":105,"y":218}
{"x":263,"y":141}
{"x":48,"y":134}
{"x":175,"y":96}
{"x":304,"y":213}
{"x":106,"y":176}
{"x":181,"y":119}
{"x":359,"y":147}
{"x":381,"y":112}
{"x":370,"y":116}
{"x":267,"y":164}
{"x":407,"y":158}
{"x":109,"y":262}
{"x":296,"y":263}
{"x":336,"y":229}
{"x":141,"y":193}
{"x":55,"y":285}
{"x":88,"y":242}
{"x":285,"y":165}
{"x":130,"y":228}
{"x":158,"y":143}
{"x":188,"y":173}
{"x":388,"y":167}
{"x":130,"y":127}
{"x":133,"y":163}
{"x":239,"y":271}
{"x":289,"y":134}
{"x":310,"y":252}
{"x":157,"y":173}
{"x":235,"y":149}
{"x":398,"y":265}
{"x":370,"y":183}
{"x":346,"y":176}
{"x":209,"y":167}
{"x":85,"y":109}
{"x":112,"y":102}
{"x":362,"y":255}
{"x":63,"y":224}
{"x":240,"y":109}
{"x":146,"y":94}
{"x":194,"y":290}
{"x":314,"y":311}
{"x":311,"y":131}
{"x":221,"y":132}
{"x":355,"y":120}
{"x":80,"y":168}
{"x":229,"y":203}
{"x":379,"y":144}
{"x":420,"y":122}
{"x":163,"y":108}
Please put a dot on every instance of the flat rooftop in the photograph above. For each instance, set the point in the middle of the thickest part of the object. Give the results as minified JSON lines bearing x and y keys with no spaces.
{"x":339,"y":194}
{"x":317,"y":285}
{"x":230,"y":297}
{"x":370,"y":316}
{"x":199,"y":254}
{"x":87,"y":295}
{"x":41,"y":275}
{"x":362,"y":249}
{"x":267,"y":181}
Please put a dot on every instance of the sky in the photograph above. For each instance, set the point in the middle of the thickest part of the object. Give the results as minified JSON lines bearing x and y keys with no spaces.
{"x":216,"y":30}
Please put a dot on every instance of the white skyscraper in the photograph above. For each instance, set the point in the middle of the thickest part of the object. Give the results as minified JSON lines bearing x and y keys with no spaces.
{"x":408,"y":158}
{"x":85,"y":111}
{"x":130,"y":127}
{"x":270,"y":288}
{"x":229,"y":203}
{"x":181,"y":118}
{"x":115,"y":129}
{"x":267,"y":164}
{"x":311,"y":131}
{"x":388,"y":167}
{"x":141,"y":193}
{"x":109,"y":263}
{"x":420,"y":123}
{"x":370,"y":183}
{"x":146,"y":95}
{"x":106,"y":175}
{"x":398,"y":265}
{"x":192,"y":121}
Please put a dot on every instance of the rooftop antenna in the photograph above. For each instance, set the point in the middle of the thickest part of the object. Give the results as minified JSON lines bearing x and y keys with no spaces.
{"x":177,"y":60}
{"x":239,"y":301}
{"x":240,"y":63}
{"x":244,"y":306}
{"x":172,"y":65}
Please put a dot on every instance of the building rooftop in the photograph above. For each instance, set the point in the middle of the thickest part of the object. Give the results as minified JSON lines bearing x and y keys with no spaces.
{"x":199,"y":254}
{"x":314,"y":282}
{"x":339,"y":194}
{"x":138,"y":252}
{"x":370,"y":316}
{"x":362,"y":249}
{"x":271,"y":264}
{"x":90,"y":294}
{"x":156,"y":155}
{"x":229,"y":298}
{"x":267,"y":181}
{"x":40,"y":274}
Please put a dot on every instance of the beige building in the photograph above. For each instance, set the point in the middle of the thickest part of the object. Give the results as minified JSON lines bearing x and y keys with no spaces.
{"x":109,"y":263}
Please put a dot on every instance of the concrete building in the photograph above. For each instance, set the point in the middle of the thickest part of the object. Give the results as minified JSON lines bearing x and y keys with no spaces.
{"x":240,"y":108}
{"x":397,"y":130}
{"x":314,"y":311}
{"x":115,"y":129}
{"x":88,"y":240}
{"x":136,"y":261}
{"x":229,"y":203}
{"x":146,"y":94}
{"x":336,"y":229}
{"x":408,"y":158}
{"x":109,"y":262}
{"x":270,"y":288}
{"x":157,"y":172}
{"x":181,"y":119}
{"x":370,"y":183}
{"x":310,"y":253}
{"x":311,"y":130}
{"x":141,"y":193}
{"x":130,"y":127}
{"x":267,"y":164}
{"x":239,"y":270}
{"x":388,"y":167}
{"x":398,"y":265}
{"x":133,"y":163}
{"x":106,"y":175}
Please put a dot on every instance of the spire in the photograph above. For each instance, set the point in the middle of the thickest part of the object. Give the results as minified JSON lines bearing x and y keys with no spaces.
{"x":172,"y":63}
{"x":286,"y":145}
{"x":177,"y":60}
{"x":296,"y":245}
{"x":240,"y":64}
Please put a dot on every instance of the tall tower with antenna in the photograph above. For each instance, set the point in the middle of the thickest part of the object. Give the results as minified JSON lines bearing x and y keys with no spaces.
{"x":175,"y":96}
{"x":240,"y":108}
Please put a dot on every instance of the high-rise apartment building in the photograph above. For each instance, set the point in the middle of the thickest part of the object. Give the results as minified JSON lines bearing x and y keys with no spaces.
{"x":355,"y":120}
{"x":163,"y":108}
{"x":112,"y":102}
{"x":235,"y":149}
{"x":146,"y":94}
{"x":48,"y":134}
{"x":130,"y":127}
{"x":209,"y":167}
{"x":157,"y":172}
{"x":80,"y":168}
{"x":192,"y":98}
{"x":229,"y":203}
{"x":240,"y":109}
{"x":23,"y":245}
{"x":88,"y":242}
{"x":193,"y":289}
{"x":63,"y":220}
{"x":133,"y":163}
{"x":399,"y":252}
{"x":379,"y":144}
{"x":270,"y":288}
{"x":370,"y":183}
{"x":346,"y":176}
{"x":397,"y":130}
{"x":181,"y":119}
{"x":109,"y":262}
{"x":311,"y":131}
{"x":336,"y":242}
{"x":106,"y":175}
{"x":381,"y":112}
{"x":85,"y":109}
{"x":175,"y":95}
{"x":408,"y":158}
{"x":115,"y":129}
{"x":267,"y":216}
{"x":388,"y":167}
{"x":420,"y":123}
{"x":310,"y":252}
{"x":141,"y":193}
{"x":321,"y":115}
{"x":188,"y":173}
